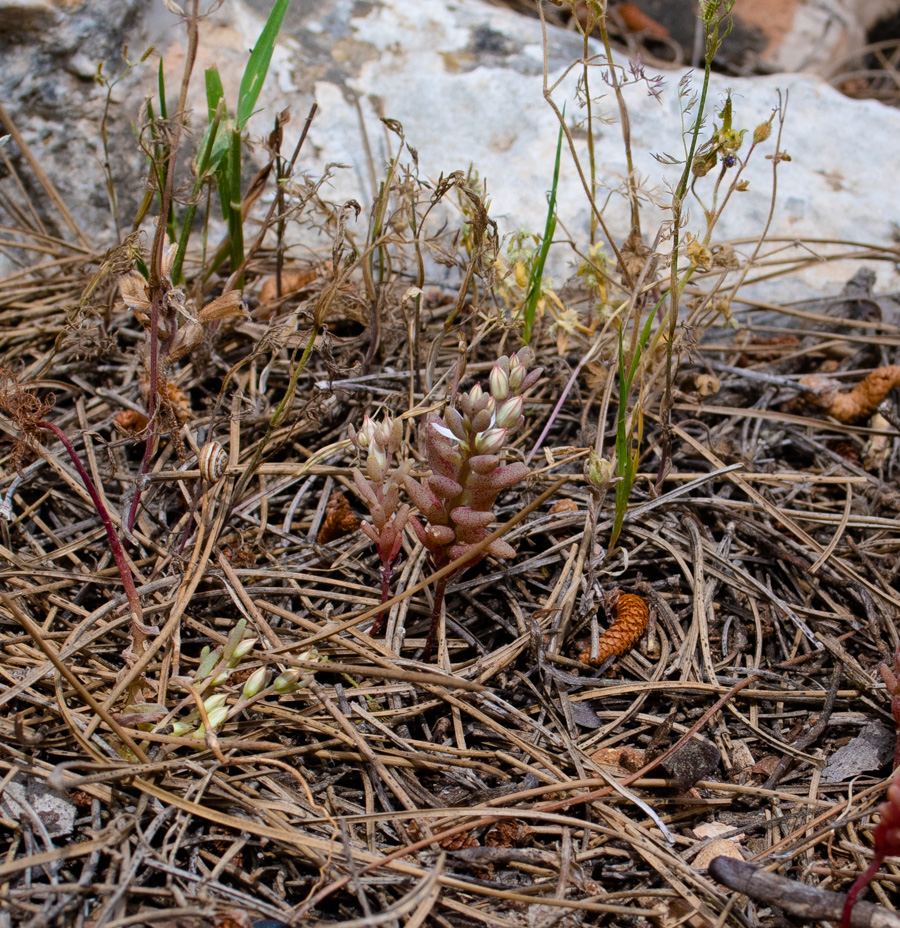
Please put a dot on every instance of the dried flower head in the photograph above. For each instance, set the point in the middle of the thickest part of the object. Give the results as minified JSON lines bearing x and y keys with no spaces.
{"x":339,"y":520}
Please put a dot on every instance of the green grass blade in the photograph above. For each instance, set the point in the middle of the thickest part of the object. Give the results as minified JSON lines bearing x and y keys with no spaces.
{"x":258,"y":65}
{"x":161,"y":78}
{"x":233,"y":185}
{"x":204,"y":165}
{"x":214,"y":92}
{"x":537,"y":270}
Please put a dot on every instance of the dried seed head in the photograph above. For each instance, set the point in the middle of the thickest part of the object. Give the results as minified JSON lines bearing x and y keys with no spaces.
{"x":229,"y":305}
{"x":762,"y":132}
{"x":598,"y":470}
{"x":186,"y":340}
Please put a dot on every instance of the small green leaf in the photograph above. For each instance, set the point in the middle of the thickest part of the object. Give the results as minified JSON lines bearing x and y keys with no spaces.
{"x":537,"y":271}
{"x":258,"y":65}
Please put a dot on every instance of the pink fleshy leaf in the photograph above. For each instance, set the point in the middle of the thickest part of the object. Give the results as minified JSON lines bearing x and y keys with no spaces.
{"x":370,"y":531}
{"x":471,"y":536}
{"x":454,"y":422}
{"x":443,"y":487}
{"x":484,"y":463}
{"x":441,"y":535}
{"x":365,"y":488}
{"x":457,"y":551}
{"x":505,"y":477}
{"x":426,"y":502}
{"x":482,"y":420}
{"x":531,"y":378}
{"x":500,"y":548}
{"x":419,"y":530}
{"x":470,"y":518}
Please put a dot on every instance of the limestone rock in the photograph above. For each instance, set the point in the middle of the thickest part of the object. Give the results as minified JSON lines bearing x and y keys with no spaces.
{"x":465,"y":82}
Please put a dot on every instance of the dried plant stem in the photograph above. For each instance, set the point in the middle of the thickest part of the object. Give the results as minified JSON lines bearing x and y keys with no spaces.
{"x":157,"y":280}
{"x":138,"y":635}
{"x":35,"y":632}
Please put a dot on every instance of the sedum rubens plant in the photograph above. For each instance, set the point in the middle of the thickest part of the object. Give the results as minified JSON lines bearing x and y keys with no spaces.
{"x":380,"y":489}
{"x":463,"y":449}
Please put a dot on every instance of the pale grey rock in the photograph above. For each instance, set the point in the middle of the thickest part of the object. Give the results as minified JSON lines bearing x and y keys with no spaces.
{"x":464,"y":78}
{"x":29,"y":801}
{"x":871,"y":749}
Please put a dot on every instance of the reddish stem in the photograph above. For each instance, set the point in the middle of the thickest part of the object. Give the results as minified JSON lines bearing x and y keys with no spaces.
{"x":134,"y":601}
{"x":862,"y":881}
{"x":386,"y":573}
{"x":439,"y":590}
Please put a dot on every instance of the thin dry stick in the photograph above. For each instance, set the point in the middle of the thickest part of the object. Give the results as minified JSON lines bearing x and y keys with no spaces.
{"x":808,"y":903}
{"x":37,"y":636}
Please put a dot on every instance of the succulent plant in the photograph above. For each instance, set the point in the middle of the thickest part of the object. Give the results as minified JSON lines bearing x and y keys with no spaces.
{"x":463,"y":449}
{"x":379,"y":488}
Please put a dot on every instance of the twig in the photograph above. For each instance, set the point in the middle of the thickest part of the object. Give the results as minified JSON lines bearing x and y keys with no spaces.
{"x":798,"y":899}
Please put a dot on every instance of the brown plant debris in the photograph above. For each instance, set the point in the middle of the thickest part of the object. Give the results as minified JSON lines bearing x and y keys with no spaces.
{"x":632,"y":616}
{"x":339,"y":520}
{"x":861,"y":401}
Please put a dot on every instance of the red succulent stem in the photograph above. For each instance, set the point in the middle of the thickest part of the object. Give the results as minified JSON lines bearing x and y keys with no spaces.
{"x":439,"y":589}
{"x":131,"y":593}
{"x":387,"y":572}
{"x":862,"y":881}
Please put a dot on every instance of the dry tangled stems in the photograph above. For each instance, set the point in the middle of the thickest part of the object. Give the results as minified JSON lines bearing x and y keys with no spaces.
{"x":417,"y":763}
{"x":468,"y":793}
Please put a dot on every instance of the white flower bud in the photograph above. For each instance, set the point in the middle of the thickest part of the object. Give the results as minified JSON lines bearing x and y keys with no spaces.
{"x":516,"y":377}
{"x":211,"y":703}
{"x":490,"y":442}
{"x":288,"y":682}
{"x":242,"y":650}
{"x":499,"y":382}
{"x":255,"y":683}
{"x":217,"y":717}
{"x":510,"y":412}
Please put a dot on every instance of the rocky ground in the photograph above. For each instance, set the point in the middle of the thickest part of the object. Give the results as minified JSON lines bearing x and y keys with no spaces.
{"x":659,"y":542}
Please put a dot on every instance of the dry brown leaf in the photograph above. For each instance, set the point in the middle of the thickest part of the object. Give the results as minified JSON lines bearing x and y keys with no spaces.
{"x":291,"y":282}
